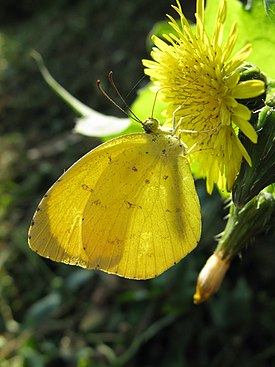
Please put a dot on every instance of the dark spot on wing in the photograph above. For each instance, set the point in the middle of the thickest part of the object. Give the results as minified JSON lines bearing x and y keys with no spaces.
{"x":115,"y":241}
{"x":32,"y":222}
{"x":110,"y":159}
{"x":165,"y":177}
{"x":87,"y":188}
{"x":134,"y":169}
{"x":29,"y":237}
{"x":146,"y":152}
{"x":96,"y":202}
{"x":38,"y":209}
{"x":163,"y":151}
{"x":60,"y":179}
{"x":132,"y":205}
{"x":147,"y":181}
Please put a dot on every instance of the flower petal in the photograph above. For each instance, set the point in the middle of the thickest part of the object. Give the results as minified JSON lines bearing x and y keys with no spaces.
{"x":228,"y":48}
{"x":232,"y":80}
{"x":244,"y":152}
{"x":238,"y":59}
{"x":219,"y":25}
{"x":246,"y":128}
{"x":248,"y":89}
{"x":241,"y":111}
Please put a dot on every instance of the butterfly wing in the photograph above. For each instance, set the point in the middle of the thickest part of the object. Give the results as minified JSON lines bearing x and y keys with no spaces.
{"x":128,"y":207}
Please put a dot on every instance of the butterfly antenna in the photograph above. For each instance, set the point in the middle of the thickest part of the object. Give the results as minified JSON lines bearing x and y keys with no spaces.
{"x":132,"y":115}
{"x":109,"y":98}
{"x":135,"y":86}
{"x":155,"y":100}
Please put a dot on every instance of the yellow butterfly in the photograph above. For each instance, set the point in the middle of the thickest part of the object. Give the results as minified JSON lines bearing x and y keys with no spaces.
{"x":128,"y":207}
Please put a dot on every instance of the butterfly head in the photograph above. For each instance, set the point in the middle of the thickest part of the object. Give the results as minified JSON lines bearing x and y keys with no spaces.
{"x":152,"y":126}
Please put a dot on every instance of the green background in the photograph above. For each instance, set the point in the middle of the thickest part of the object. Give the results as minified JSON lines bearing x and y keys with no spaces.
{"x":55,"y":315}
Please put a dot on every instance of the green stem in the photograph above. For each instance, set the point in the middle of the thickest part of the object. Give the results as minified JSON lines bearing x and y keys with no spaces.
{"x":75,"y":104}
{"x":245,"y":223}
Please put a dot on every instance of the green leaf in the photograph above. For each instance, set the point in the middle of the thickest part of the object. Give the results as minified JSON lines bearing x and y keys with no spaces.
{"x":159,"y":28}
{"x":270,"y":9}
{"x":251,"y":180}
{"x":42,"y":309}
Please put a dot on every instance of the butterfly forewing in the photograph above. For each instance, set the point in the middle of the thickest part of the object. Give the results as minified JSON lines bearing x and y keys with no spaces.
{"x":128,"y":207}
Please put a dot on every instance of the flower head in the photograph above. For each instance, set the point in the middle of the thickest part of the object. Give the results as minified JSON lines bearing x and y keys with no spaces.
{"x":200,"y":80}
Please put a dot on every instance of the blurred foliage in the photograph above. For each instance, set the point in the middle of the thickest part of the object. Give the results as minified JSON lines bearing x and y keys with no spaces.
{"x":55,"y":315}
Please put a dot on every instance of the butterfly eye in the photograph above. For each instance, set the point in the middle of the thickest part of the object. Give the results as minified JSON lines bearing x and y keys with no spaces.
{"x":151,"y":125}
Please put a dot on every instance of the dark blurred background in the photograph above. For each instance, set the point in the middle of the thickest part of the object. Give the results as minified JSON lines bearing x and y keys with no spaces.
{"x":55,"y":315}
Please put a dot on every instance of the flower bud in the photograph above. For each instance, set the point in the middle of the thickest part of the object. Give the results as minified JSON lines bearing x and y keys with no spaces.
{"x":243,"y":225}
{"x":211,"y":277}
{"x":249,"y":71}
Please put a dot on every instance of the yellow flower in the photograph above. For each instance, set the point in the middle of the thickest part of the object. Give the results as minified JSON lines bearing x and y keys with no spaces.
{"x":200,"y":80}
